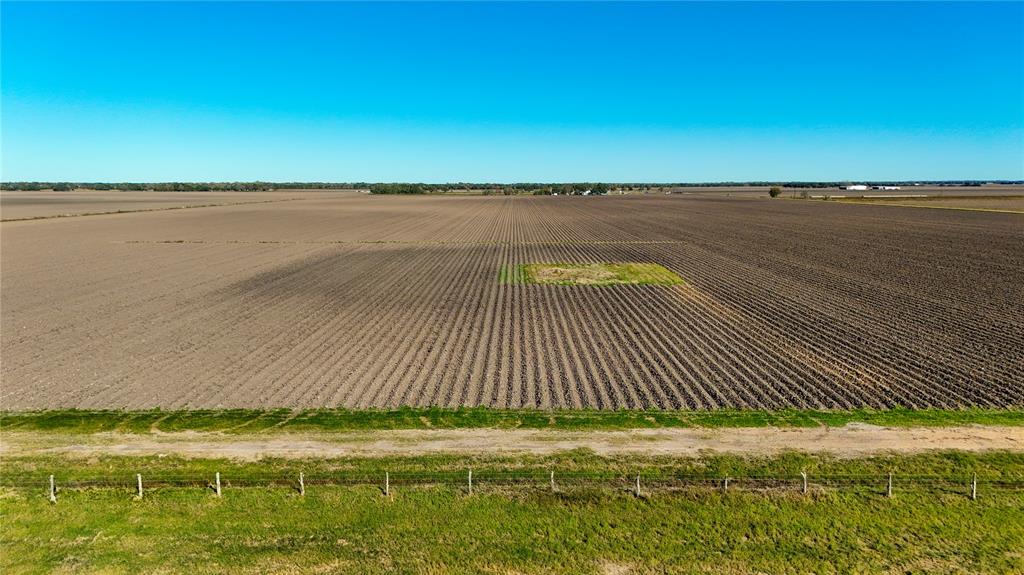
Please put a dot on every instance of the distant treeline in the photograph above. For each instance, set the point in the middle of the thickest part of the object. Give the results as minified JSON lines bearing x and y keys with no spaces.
{"x":399,"y":189}
{"x":971,"y":183}
{"x":413,"y":188}
{"x":489,"y":189}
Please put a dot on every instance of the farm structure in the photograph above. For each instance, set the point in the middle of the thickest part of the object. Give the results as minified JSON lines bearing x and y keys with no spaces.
{"x":345,"y":299}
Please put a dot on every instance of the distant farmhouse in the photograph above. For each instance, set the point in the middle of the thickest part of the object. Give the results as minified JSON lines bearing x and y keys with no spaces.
{"x":864,"y":188}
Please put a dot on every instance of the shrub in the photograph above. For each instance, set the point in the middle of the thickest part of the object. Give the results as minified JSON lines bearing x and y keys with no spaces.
{"x":774,"y":191}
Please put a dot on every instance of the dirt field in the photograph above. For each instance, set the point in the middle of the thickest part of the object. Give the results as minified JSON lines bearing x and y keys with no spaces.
{"x":355,"y":300}
{"x":18,"y":205}
{"x":762,"y":191}
{"x":1008,"y":203}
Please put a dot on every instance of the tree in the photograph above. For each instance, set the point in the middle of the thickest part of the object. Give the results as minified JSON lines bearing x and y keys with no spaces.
{"x":774,"y":191}
{"x":397,"y":189}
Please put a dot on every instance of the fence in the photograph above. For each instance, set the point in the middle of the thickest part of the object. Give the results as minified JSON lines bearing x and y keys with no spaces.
{"x":640,"y":483}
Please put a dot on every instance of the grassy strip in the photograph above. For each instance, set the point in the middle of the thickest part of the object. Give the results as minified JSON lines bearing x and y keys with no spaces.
{"x":503,"y":529}
{"x":33,"y":470}
{"x":248,"y":421}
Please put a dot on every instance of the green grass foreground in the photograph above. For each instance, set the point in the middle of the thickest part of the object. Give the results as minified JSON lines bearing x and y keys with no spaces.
{"x":517,"y":529}
{"x":249,"y":421}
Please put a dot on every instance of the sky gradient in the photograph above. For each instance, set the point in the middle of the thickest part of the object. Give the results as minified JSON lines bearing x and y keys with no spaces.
{"x":511,"y":92}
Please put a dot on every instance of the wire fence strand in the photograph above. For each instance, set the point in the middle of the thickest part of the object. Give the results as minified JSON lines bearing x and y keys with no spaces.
{"x":540,"y":478}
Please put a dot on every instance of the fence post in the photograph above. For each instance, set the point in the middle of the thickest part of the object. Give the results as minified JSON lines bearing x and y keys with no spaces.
{"x":552,"y":482}
{"x":470,"y":481}
{"x":217,"y":484}
{"x":138,"y":482}
{"x":53,"y":490}
{"x":387,"y":484}
{"x":302,"y":483}
{"x":888,"y":488}
{"x":974,"y":487}
{"x":637,"y":492}
{"x":803,"y":474}
{"x":725,"y":486}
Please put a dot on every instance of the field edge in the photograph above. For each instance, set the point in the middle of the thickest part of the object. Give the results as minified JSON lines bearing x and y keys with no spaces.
{"x":339,"y":419}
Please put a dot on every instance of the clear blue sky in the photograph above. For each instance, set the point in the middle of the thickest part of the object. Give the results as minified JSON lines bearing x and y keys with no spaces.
{"x":512,"y":92}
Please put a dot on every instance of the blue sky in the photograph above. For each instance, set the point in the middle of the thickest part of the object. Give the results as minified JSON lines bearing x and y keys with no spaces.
{"x":511,"y":91}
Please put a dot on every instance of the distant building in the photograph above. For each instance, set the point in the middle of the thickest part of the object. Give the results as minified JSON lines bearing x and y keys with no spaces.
{"x":858,"y":187}
{"x":885,"y":187}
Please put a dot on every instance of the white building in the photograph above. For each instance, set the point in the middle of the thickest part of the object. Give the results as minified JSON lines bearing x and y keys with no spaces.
{"x":858,"y":188}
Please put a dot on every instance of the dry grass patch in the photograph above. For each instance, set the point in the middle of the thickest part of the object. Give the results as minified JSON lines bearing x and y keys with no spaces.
{"x":598,"y":274}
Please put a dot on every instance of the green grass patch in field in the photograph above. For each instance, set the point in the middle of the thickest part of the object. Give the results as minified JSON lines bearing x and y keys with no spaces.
{"x":248,"y":421}
{"x":521,"y":529}
{"x":512,"y":275}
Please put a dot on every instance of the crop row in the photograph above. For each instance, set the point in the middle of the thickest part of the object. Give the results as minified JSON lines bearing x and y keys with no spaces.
{"x":786,"y":304}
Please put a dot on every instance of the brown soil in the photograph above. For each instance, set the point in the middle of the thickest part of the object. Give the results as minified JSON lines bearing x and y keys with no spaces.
{"x":355,"y":300}
{"x":1009,"y":203}
{"x":18,"y":205}
{"x":855,"y":440}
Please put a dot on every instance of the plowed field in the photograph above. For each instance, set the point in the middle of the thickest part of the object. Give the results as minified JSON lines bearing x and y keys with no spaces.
{"x":21,"y":205}
{"x":359,"y":301}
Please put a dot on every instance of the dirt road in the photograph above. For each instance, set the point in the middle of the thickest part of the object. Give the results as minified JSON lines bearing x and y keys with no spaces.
{"x":853,"y":440}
